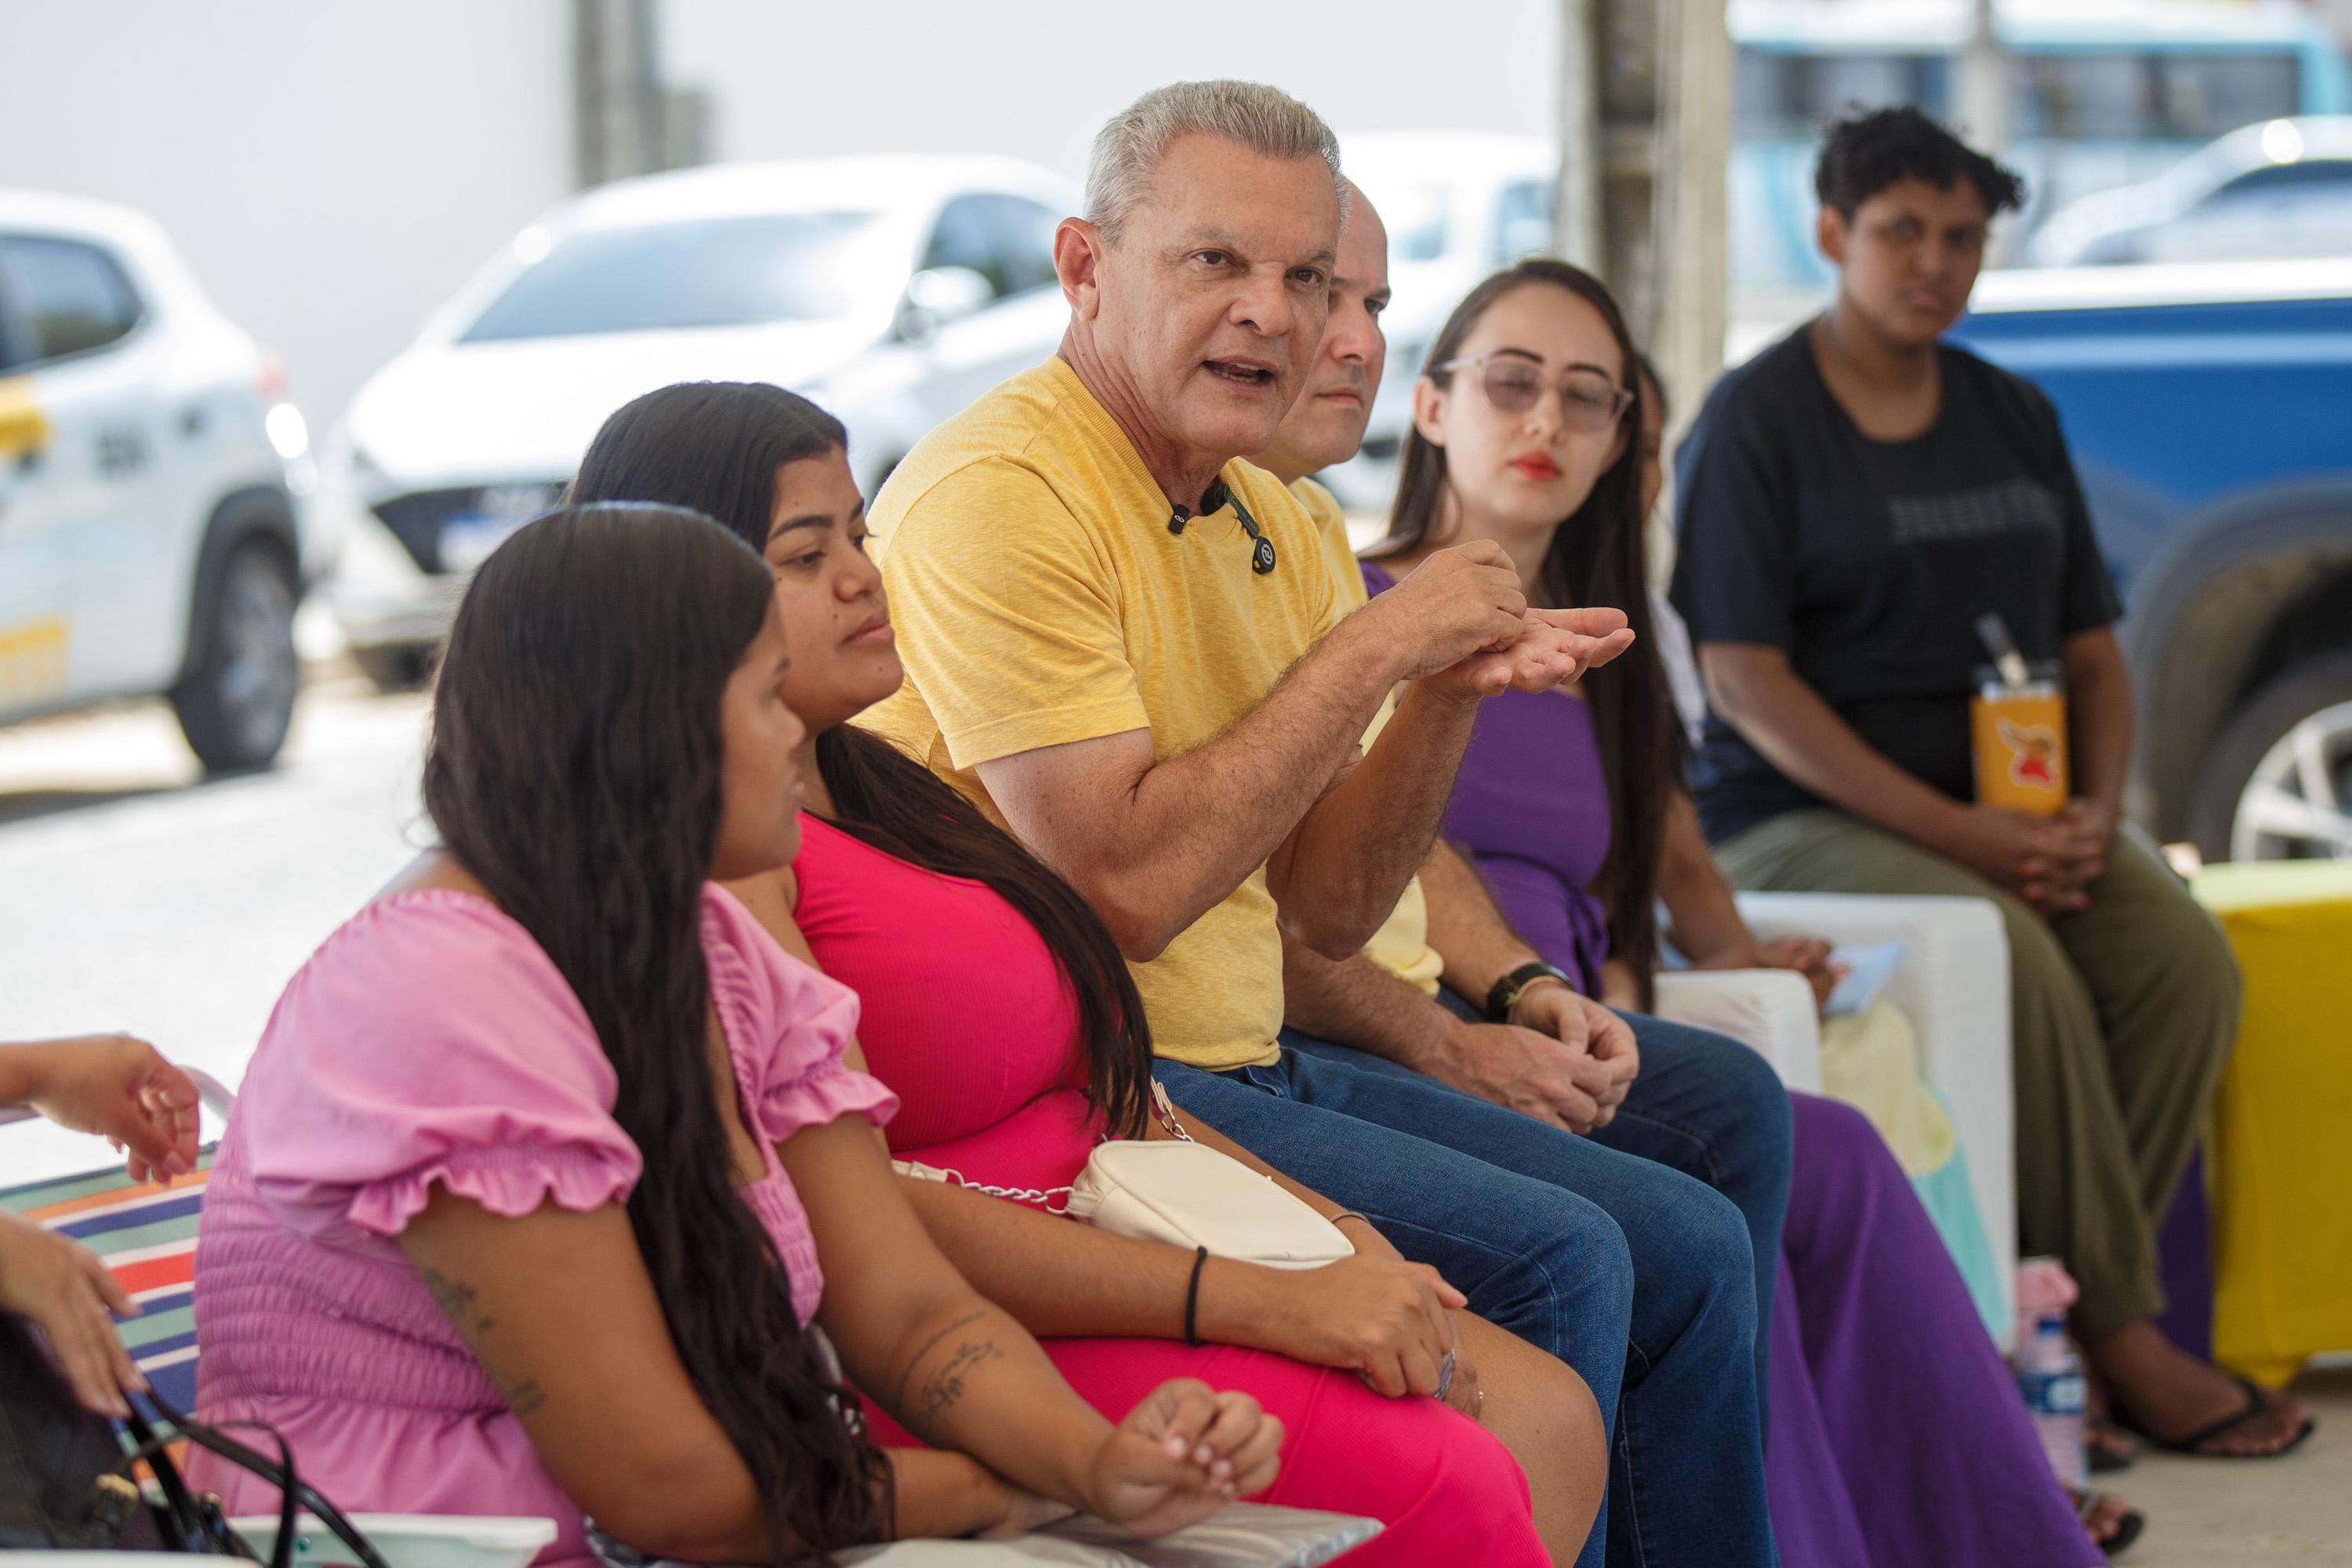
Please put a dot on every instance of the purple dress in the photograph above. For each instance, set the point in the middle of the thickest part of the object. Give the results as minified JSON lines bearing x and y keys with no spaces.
{"x":1896,"y":1439}
{"x":1537,"y":835}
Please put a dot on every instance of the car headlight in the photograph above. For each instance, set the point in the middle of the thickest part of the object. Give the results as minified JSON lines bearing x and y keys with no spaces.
{"x":287,"y":430}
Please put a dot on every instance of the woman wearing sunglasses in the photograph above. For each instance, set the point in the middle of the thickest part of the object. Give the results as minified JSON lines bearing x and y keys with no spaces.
{"x":1895,"y":1435}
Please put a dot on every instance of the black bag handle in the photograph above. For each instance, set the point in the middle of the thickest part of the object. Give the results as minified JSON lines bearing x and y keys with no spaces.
{"x":186,"y":1526}
{"x":177,"y":1519}
{"x":292,"y":1491}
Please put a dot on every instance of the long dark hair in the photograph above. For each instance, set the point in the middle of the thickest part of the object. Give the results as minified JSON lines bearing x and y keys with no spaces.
{"x":1595,"y":558}
{"x":714,"y":446}
{"x":574,"y":769}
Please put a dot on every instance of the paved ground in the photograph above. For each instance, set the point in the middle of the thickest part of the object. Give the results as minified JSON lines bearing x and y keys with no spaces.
{"x":134,"y":896}
{"x":2224,"y":1513}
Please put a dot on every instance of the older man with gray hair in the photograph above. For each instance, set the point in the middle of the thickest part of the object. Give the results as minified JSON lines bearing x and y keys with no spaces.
{"x":1122,"y":644}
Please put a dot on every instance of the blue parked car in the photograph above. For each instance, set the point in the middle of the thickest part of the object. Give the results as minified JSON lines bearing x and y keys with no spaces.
{"x":2210,"y":413}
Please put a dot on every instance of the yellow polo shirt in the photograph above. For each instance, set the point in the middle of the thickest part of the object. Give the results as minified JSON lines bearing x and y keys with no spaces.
{"x":1040,"y":599}
{"x":1401,"y":944}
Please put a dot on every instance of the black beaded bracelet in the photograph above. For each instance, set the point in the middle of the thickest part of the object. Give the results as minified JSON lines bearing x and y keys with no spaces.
{"x":1192,"y":1295}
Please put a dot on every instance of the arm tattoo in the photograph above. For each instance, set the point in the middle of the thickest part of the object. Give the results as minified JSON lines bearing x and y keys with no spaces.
{"x":458,"y":1303}
{"x":945,"y":1386}
{"x":899,"y":1400}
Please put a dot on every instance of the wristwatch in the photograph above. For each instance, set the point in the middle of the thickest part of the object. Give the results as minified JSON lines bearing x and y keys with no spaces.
{"x":1505,"y":993}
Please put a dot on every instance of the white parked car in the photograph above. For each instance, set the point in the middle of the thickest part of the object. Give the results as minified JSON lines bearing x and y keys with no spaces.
{"x":150,"y":539}
{"x":892,"y":290}
{"x":2274,"y":191}
{"x":1458,"y":205}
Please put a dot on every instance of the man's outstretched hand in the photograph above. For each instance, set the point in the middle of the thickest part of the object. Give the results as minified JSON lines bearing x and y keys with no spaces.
{"x":1463,"y":601}
{"x":1554,"y":648}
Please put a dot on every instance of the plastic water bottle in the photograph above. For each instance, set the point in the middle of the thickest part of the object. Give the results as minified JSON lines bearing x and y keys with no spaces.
{"x":2050,"y":1375}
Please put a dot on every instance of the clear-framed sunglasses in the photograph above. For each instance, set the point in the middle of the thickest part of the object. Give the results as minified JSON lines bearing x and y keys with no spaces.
{"x":1589,"y":401}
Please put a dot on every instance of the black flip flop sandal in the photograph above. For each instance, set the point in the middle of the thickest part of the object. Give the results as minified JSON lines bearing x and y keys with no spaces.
{"x":2127,"y":1528}
{"x":2257,"y":1404}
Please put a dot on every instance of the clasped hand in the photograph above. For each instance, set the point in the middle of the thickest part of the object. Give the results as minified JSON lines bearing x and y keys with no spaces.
{"x":2050,"y":862}
{"x":1562,"y":1058}
{"x":1181,"y":1455}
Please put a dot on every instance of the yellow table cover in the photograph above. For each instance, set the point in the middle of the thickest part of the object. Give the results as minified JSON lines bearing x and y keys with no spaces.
{"x":2280,"y":1155}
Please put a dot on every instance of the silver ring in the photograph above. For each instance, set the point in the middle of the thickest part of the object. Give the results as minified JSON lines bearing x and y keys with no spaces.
{"x":1445,"y":1376}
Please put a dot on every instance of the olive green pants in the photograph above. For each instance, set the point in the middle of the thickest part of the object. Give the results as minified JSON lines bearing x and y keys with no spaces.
{"x":2122,"y":1019}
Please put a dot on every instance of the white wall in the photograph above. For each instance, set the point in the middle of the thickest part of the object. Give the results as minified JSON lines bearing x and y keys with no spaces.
{"x":1034,"y":79}
{"x":332,"y":170}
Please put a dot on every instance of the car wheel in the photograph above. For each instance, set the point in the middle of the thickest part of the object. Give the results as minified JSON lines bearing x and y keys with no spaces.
{"x":238,"y":696}
{"x":397,"y":666}
{"x":2277,"y":785}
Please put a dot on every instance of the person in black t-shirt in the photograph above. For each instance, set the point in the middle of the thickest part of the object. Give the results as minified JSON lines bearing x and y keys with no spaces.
{"x":1868,"y":561}
{"x":1849,"y":503}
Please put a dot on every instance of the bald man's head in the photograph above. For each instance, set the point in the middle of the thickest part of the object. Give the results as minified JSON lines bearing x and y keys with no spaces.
{"x":1326,"y":424}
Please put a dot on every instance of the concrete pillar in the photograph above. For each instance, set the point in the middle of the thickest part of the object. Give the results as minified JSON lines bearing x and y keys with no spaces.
{"x":1644,"y":115}
{"x":1690,"y":303}
{"x":1984,"y":84}
{"x":618,"y":116}
{"x":1577,"y":223}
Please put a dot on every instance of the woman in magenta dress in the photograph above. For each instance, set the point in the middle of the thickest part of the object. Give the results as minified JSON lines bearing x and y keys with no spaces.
{"x":1895,"y":1435}
{"x":550,"y":1166}
{"x":998,"y":1008}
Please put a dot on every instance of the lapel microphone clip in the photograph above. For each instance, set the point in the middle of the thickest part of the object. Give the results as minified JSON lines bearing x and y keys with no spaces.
{"x":1215,"y":499}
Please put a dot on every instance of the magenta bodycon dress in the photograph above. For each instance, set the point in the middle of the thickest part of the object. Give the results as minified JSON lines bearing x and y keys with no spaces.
{"x":431,"y":1040}
{"x":970,"y":1020}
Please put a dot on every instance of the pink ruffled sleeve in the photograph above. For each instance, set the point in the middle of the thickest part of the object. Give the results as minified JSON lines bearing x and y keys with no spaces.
{"x":787,"y":1027}
{"x":430,"y":1040}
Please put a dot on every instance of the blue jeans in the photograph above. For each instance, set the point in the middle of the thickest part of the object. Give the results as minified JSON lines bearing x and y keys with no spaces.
{"x":1710,"y":1108}
{"x":1638,"y":1276}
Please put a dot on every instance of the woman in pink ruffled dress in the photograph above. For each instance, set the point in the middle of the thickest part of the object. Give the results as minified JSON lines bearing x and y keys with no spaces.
{"x":548,"y":1166}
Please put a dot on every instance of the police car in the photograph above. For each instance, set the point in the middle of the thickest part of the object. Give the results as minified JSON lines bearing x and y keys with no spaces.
{"x":150,"y":539}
